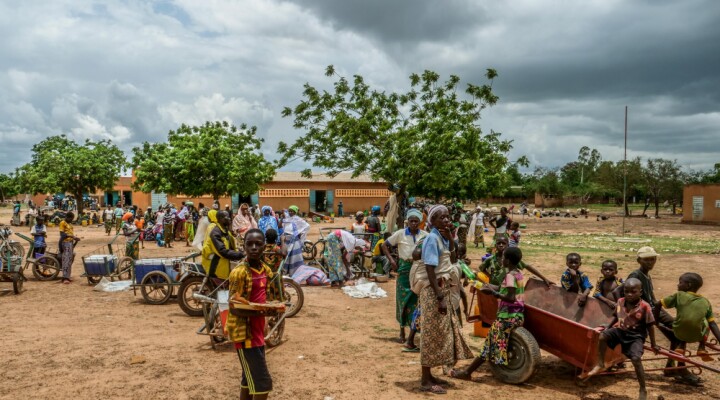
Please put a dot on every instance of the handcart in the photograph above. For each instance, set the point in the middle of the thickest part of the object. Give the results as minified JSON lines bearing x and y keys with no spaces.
{"x":45,"y":266}
{"x":11,"y":266}
{"x":107,"y":262}
{"x":157,"y":278}
{"x":555,"y":323}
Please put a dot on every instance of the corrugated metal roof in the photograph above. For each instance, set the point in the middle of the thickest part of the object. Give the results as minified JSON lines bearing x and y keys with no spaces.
{"x":320,"y":177}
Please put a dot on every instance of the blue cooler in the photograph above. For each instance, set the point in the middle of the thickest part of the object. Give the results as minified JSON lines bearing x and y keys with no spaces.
{"x":100,"y":265}
{"x":147,"y":265}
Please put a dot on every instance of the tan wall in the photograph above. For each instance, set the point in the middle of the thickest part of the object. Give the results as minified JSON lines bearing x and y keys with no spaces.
{"x":541,"y":201}
{"x":711,"y":194}
{"x":350,"y":204}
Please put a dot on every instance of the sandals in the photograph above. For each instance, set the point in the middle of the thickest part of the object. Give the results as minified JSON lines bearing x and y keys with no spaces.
{"x":705,"y":355}
{"x":406,"y":349}
{"x":434,"y":389}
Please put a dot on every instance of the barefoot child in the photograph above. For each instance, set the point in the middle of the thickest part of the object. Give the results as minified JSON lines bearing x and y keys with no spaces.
{"x":575,"y":281}
{"x":514,"y":235}
{"x":607,"y":283}
{"x":510,"y":315}
{"x":252,"y":281}
{"x":694,"y":318}
{"x":632,"y":323}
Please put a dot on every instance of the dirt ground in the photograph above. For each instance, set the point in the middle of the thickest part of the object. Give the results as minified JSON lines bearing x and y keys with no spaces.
{"x":68,"y":341}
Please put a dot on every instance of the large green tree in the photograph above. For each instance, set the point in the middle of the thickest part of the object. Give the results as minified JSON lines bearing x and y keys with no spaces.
{"x":60,"y":164}
{"x":8,"y":186}
{"x":216,"y":158}
{"x":663,"y":180}
{"x":579,"y":176}
{"x":426,"y":140}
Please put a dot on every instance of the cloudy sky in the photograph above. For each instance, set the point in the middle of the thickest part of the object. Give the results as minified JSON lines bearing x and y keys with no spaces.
{"x":132,"y":70}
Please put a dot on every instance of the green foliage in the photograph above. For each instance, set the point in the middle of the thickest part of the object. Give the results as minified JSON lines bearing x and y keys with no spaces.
{"x":426,"y":140}
{"x":546,"y":182}
{"x":216,"y":158}
{"x":8,"y":186}
{"x":663,"y":180}
{"x":62,"y":165}
{"x":705,"y":177}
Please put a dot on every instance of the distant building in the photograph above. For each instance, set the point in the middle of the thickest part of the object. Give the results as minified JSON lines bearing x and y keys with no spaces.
{"x":320,"y":193}
{"x":701,"y":204}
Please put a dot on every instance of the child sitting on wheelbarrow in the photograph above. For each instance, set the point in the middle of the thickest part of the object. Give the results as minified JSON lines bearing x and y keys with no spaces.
{"x":510,"y":315}
{"x":251,"y":281}
{"x":694,"y":319}
{"x":632,"y":323}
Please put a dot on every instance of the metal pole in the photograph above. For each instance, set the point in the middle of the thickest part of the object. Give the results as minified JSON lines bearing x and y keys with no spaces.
{"x":625,"y":175}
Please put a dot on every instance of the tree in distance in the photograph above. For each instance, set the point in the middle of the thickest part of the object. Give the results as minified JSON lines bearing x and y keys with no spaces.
{"x":216,"y":158}
{"x":62,"y":165}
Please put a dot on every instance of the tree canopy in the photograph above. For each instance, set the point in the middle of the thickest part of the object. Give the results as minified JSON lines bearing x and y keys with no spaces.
{"x":8,"y":186}
{"x":426,"y":140}
{"x":62,"y":165}
{"x":216,"y":158}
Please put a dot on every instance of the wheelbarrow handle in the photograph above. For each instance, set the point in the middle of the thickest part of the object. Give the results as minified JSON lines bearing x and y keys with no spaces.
{"x":681,"y":358}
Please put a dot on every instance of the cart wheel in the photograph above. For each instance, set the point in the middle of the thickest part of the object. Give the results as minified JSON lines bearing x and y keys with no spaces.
{"x":294,"y":297}
{"x":19,"y":249}
{"x":308,"y":250}
{"x":189,"y":286}
{"x":318,"y":249}
{"x":523,"y":358}
{"x":94,"y":280}
{"x":125,"y":268}
{"x":276,"y":338}
{"x":155,"y":287}
{"x":18,"y":280}
{"x":46,"y":268}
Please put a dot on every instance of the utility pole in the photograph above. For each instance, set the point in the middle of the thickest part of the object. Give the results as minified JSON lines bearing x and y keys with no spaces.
{"x":625,"y":175}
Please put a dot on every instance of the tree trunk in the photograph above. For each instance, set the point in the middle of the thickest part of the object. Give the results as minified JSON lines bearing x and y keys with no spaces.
{"x":657,"y":207}
{"x":627,"y":208}
{"x":400,"y":218}
{"x":647,"y":205}
{"x":79,"y":202}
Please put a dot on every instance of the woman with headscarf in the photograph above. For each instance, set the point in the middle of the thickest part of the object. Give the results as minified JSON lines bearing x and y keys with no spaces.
{"x":405,"y":300}
{"x":268,"y":220}
{"x":132,"y":234}
{"x":340,"y":245}
{"x":243,"y":221}
{"x":295,"y":230}
{"x":442,"y":342}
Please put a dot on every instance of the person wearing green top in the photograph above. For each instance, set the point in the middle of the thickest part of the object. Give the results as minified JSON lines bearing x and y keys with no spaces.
{"x":510,"y":315}
{"x":493,"y":267}
{"x":694,"y":319}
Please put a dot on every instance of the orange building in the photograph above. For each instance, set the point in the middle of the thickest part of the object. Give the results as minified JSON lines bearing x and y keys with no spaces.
{"x":701,"y":204}
{"x":320,"y":193}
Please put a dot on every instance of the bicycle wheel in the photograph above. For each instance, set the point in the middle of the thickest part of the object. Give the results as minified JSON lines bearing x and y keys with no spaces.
{"x":294,"y":297}
{"x":276,"y":337}
{"x":19,"y":249}
{"x":188,"y":287}
{"x":318,"y":249}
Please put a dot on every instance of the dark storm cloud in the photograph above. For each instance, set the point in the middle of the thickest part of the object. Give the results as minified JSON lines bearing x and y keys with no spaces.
{"x":130,"y":71}
{"x":400,"y":21}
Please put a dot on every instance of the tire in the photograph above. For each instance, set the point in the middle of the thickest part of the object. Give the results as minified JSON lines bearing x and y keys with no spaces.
{"x":18,"y":280}
{"x":308,"y":250}
{"x":523,"y":358}
{"x":318,"y":249}
{"x":19,"y":249}
{"x":189,"y":305}
{"x":46,"y":268}
{"x":276,"y":338}
{"x":213,"y":323}
{"x":125,"y":269}
{"x":94,"y":280}
{"x":155,"y":287}
{"x":294,"y":297}
{"x":356,"y":265}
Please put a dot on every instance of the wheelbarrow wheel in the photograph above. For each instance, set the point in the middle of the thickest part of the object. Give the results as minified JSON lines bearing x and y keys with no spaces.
{"x":277,"y":335}
{"x":523,"y":358}
{"x":155,"y":287}
{"x":18,"y":280}
{"x":188,"y":287}
{"x":94,"y":280}
{"x":125,"y":268}
{"x":46,"y":268}
{"x":294,"y":297}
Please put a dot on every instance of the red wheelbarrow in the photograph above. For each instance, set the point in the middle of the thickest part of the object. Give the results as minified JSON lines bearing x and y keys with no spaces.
{"x":555,"y":323}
